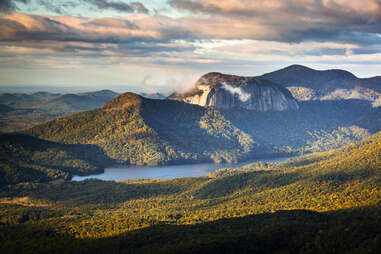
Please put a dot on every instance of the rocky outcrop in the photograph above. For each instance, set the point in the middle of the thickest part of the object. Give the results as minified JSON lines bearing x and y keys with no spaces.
{"x":230,"y":91}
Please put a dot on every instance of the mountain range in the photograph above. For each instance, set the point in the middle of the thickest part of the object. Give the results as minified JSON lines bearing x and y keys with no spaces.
{"x":20,"y":111}
{"x":131,"y":129}
{"x":309,"y":84}
{"x":324,"y":202}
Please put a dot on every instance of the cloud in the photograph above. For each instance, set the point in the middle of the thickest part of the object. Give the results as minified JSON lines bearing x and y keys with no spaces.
{"x":289,"y":21}
{"x":65,"y":6}
{"x":309,"y":10}
{"x":210,"y":35}
{"x":243,"y":96}
{"x":17,"y":27}
{"x":119,"y":6}
{"x":282,"y":23}
{"x":7,"y":6}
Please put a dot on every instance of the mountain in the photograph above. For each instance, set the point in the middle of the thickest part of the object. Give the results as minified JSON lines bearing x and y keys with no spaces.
{"x":229,"y":91}
{"x":134,"y":130}
{"x":157,"y":96}
{"x":309,"y":84}
{"x":82,"y":101}
{"x":32,"y":109}
{"x":20,"y":100}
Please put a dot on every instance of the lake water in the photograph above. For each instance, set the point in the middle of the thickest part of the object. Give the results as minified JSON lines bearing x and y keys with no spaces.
{"x":166,"y":172}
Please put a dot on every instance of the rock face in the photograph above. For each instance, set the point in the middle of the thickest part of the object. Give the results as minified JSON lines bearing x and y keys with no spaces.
{"x":229,"y":91}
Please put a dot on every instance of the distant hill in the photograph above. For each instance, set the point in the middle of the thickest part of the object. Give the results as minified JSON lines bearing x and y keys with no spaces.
{"x":32,"y":109}
{"x":80,"y":102}
{"x":306,"y":84}
{"x":19,"y":100}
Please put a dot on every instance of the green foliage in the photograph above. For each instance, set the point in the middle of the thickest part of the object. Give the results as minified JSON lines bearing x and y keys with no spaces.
{"x":151,"y":132}
{"x":311,"y":204}
{"x":134,"y":130}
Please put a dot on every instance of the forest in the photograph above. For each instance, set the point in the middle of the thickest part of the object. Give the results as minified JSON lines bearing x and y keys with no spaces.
{"x":321,"y":203}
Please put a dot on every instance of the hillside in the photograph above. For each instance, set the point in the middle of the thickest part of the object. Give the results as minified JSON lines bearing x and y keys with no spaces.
{"x":309,"y":84}
{"x":314,"y":204}
{"x":27,"y":159}
{"x":135,"y":130}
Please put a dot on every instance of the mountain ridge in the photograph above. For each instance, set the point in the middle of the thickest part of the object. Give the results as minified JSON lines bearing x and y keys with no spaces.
{"x":309,"y":84}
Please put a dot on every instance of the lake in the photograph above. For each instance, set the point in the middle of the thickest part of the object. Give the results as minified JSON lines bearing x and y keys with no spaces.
{"x":166,"y":172}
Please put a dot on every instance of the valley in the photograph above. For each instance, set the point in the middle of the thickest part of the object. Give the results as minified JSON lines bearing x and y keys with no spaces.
{"x":312,"y":204}
{"x":326,"y":197}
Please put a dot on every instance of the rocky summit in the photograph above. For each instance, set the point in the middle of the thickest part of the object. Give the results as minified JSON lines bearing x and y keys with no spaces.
{"x":229,"y":91}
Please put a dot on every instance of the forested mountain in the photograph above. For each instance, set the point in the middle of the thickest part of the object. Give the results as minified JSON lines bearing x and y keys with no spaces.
{"x":135,"y":130}
{"x":309,"y":84}
{"x":312,"y":204}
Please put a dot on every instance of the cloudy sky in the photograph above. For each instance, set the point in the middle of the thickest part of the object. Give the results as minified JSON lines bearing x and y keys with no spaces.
{"x":160,"y":45}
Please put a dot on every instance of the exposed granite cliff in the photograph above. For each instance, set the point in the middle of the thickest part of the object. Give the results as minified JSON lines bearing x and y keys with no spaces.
{"x":230,"y":91}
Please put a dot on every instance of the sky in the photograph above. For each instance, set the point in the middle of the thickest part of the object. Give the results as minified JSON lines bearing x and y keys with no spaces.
{"x":163,"y":46}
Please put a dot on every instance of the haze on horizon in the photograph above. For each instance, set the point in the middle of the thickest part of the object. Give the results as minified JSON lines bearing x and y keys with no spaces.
{"x":166,"y":45}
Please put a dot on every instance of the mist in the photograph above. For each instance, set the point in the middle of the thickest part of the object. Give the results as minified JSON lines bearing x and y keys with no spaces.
{"x":243,"y":96}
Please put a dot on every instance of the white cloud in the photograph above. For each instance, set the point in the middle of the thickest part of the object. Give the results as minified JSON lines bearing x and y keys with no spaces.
{"x":242,"y":95}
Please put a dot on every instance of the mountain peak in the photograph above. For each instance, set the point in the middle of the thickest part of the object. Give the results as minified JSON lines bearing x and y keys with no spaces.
{"x":124,"y":100}
{"x":214,"y":78}
{"x":298,"y":67}
{"x":304,"y":70}
{"x":230,"y":91}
